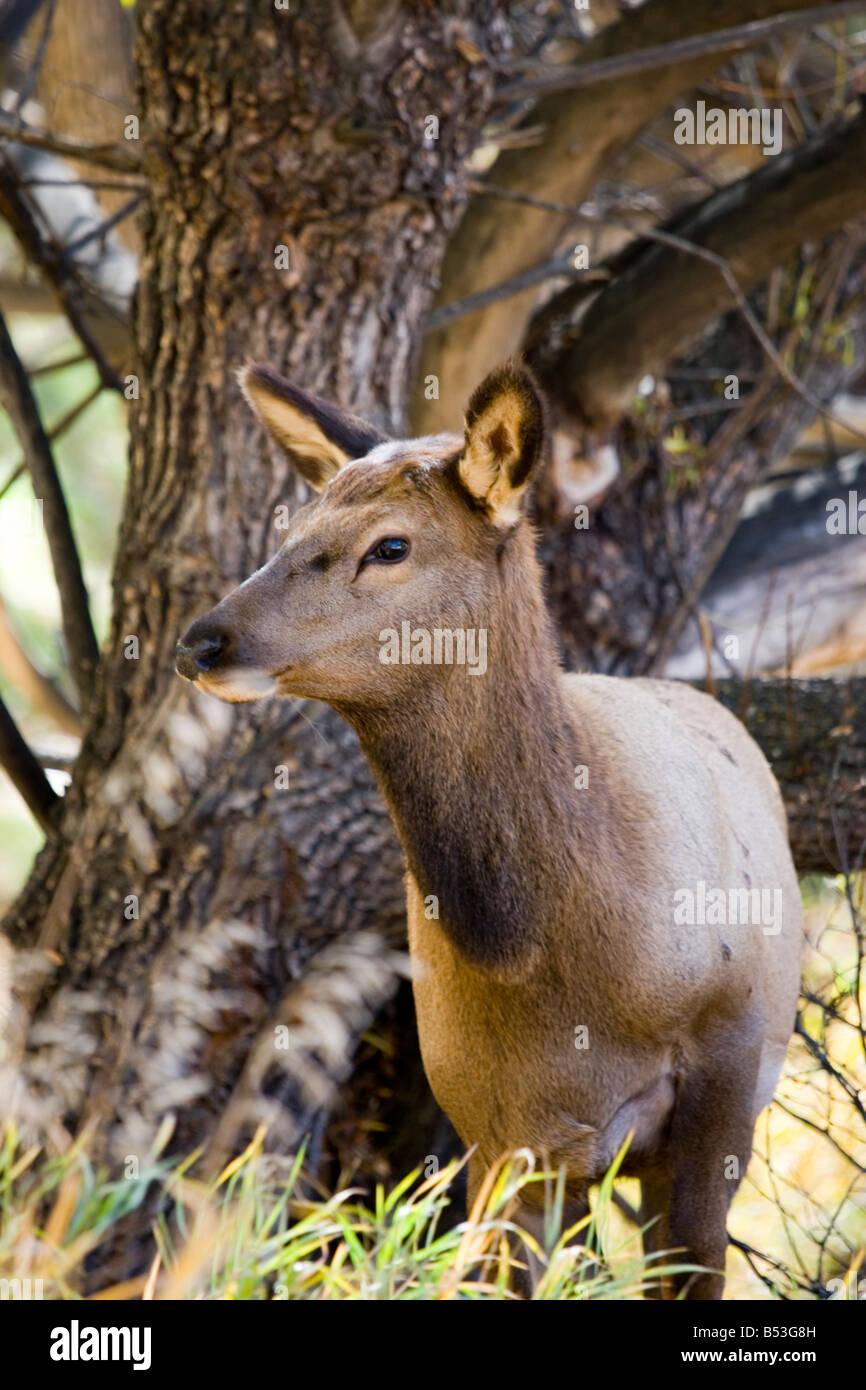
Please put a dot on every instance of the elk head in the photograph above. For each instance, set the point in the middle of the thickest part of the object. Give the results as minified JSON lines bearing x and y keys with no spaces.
{"x":400,"y":531}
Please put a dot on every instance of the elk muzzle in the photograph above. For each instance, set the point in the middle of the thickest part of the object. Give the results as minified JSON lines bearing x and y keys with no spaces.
{"x":203,"y":648}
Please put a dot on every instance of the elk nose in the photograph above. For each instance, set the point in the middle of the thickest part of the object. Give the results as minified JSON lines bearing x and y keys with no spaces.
{"x":207,"y":651}
{"x":202,"y":655}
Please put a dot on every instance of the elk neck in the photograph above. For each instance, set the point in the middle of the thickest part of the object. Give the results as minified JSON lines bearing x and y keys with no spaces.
{"x":478,"y":773}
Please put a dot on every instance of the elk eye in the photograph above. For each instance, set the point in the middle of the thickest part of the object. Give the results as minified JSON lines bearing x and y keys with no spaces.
{"x":389,"y":551}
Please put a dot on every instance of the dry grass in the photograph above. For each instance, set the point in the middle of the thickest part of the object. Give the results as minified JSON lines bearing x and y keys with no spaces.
{"x":250,"y":1235}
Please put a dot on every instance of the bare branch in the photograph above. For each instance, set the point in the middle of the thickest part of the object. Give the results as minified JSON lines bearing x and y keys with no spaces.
{"x":535,"y":275}
{"x":57,"y":268}
{"x":62,"y":425}
{"x":25,"y":773}
{"x":733,"y":39}
{"x":104,"y":227}
{"x":46,"y":368}
{"x":18,"y":400}
{"x":104,"y":185}
{"x":115,"y":157}
{"x":585,"y":131}
{"x":821,"y":1055}
{"x":31,"y":77}
{"x":742,"y":232}
{"x":585,"y":282}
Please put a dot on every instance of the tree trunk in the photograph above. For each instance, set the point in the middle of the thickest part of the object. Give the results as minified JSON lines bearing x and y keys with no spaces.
{"x":297,"y":214}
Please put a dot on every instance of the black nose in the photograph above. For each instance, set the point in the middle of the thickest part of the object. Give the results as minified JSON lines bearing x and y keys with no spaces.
{"x":203,"y":654}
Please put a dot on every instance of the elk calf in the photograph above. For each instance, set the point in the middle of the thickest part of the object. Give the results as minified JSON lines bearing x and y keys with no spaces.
{"x":587,"y":857}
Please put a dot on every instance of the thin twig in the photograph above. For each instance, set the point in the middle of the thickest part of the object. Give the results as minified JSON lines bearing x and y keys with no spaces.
{"x":56,"y":431}
{"x":677,"y":156}
{"x":104,"y":227}
{"x":45,"y":368}
{"x":115,"y":157}
{"x":750,"y":1252}
{"x":535,"y":275}
{"x":810,"y":1124}
{"x":821,"y":1056}
{"x":104,"y":185}
{"x":31,"y":77}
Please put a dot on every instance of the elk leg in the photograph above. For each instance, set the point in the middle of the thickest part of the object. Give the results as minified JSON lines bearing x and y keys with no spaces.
{"x":711,"y":1142}
{"x":656,"y":1189}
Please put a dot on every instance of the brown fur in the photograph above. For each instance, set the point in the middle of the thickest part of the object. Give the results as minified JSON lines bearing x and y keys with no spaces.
{"x":555,"y":903}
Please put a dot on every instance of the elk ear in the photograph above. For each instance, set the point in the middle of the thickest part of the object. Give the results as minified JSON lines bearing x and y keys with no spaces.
{"x":504,"y":440}
{"x":319,"y":438}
